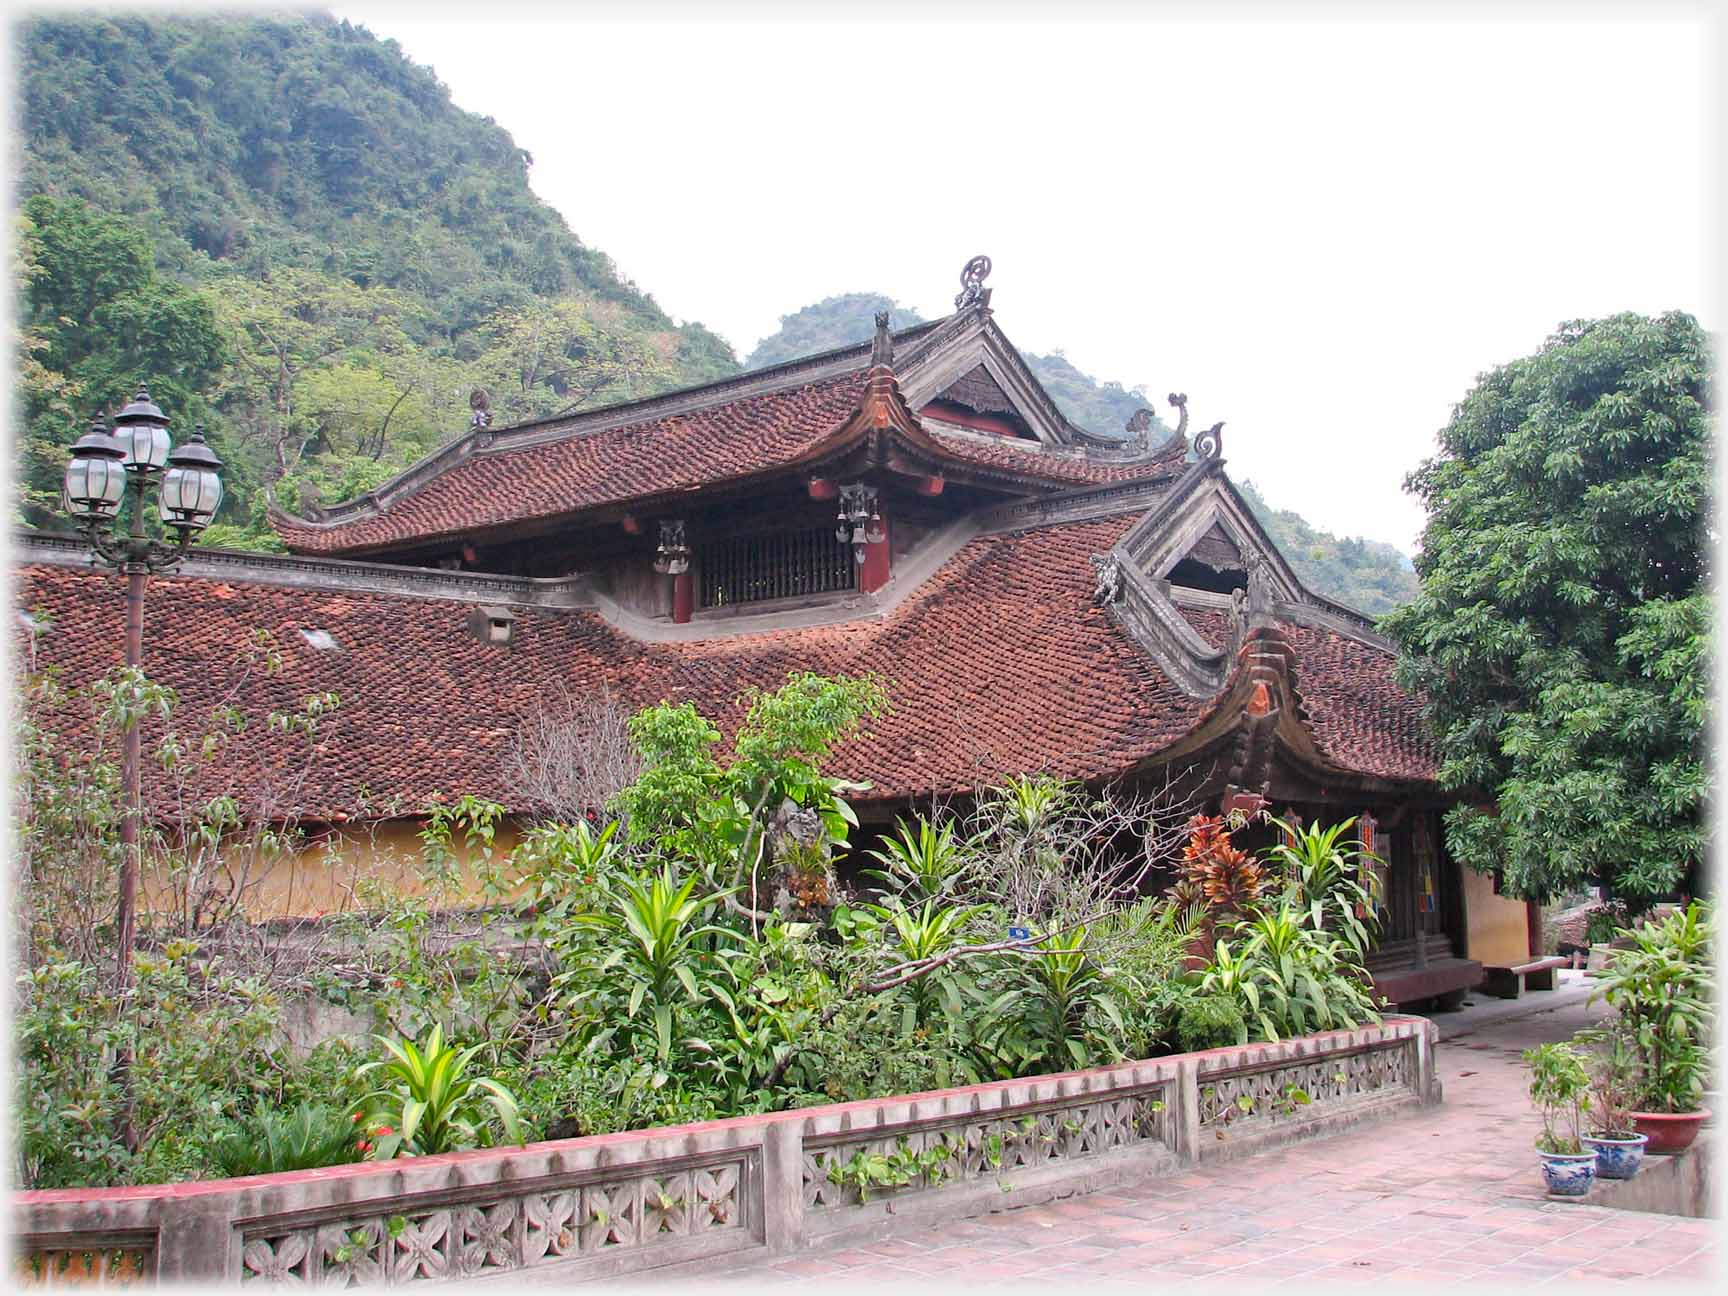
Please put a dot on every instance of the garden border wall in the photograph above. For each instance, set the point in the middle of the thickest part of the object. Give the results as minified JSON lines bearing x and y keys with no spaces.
{"x":612,"y":1204}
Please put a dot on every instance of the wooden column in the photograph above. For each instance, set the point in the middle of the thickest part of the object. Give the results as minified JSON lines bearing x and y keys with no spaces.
{"x":873,"y":575}
{"x":683,"y":597}
{"x":1533,"y":923}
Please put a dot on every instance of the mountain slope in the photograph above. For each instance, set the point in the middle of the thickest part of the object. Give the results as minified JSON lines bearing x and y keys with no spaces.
{"x":367,"y":253}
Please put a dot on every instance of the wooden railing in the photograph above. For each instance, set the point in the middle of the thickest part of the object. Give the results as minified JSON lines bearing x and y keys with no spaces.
{"x":773,"y":565}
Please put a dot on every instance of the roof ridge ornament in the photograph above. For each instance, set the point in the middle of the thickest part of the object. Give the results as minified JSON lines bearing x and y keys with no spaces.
{"x":972,"y":289}
{"x":882,"y":347}
{"x":1210,"y":443}
{"x":1109,"y":580}
{"x":1139,"y":429}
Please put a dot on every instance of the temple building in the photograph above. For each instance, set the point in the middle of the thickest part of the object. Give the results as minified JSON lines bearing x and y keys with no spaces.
{"x":1034,"y":597}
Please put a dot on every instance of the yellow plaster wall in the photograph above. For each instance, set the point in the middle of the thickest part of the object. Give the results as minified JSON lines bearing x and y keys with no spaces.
{"x":321,"y":878}
{"x":1496,"y":927}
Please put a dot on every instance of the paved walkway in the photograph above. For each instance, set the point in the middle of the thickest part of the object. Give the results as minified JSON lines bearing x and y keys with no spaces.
{"x":1449,"y":1196}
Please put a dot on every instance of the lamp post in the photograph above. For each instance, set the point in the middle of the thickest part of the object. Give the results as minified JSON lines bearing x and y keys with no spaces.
{"x":104,"y":467}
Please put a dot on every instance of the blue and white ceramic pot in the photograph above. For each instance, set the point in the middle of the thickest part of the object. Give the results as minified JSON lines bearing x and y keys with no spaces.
{"x":1568,"y":1174}
{"x":1618,"y":1158}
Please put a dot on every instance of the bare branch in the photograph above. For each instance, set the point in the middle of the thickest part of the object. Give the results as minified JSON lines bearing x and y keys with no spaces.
{"x":573,"y":754}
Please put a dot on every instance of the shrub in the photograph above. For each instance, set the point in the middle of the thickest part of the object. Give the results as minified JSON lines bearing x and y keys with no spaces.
{"x":1663,"y":990}
{"x":267,"y":1141}
{"x":199,"y":1041}
{"x":428,"y":1102}
{"x":1560,"y":1090}
{"x":1210,"y":1021}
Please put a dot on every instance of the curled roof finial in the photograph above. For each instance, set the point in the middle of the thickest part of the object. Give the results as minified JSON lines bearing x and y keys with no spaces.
{"x":972,"y":289}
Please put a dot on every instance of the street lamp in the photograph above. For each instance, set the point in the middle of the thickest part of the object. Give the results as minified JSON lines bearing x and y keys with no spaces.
{"x":103,"y":467}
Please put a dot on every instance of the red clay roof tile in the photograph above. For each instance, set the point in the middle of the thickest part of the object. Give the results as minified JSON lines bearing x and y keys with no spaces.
{"x":999,"y":664}
{"x":498,"y":486}
{"x":707,"y":446}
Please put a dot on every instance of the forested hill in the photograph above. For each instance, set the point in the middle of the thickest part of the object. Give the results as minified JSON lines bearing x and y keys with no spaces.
{"x":1368,"y":575}
{"x":1103,"y":408}
{"x":329,"y":254}
{"x":1365,"y":574}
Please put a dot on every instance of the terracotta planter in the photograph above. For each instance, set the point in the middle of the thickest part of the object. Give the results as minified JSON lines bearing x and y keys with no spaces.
{"x":1669,"y":1132}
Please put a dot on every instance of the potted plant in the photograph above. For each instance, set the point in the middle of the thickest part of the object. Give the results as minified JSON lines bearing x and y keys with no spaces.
{"x":1614,"y":1079}
{"x":1661,"y":988}
{"x":1560,"y":1090}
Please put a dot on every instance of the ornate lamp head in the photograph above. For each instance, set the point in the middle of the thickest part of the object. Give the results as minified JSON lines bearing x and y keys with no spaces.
{"x":192,"y":488}
{"x":142,"y":430}
{"x":95,"y":479}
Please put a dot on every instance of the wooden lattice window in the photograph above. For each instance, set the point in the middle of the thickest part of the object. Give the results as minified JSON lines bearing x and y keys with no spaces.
{"x":774,"y":565}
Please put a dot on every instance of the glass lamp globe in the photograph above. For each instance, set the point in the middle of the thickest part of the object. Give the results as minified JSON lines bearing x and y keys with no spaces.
{"x":95,"y":479}
{"x":192,"y":488}
{"x":142,"y":430}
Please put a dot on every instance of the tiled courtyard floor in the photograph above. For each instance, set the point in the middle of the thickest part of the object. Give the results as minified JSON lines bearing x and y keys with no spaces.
{"x":1449,"y":1196}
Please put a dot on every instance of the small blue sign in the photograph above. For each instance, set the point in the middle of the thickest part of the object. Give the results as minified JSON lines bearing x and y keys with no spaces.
{"x":1019,"y":933}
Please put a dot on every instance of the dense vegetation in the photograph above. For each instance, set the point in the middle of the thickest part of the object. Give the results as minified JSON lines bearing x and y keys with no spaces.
{"x":344,"y":253}
{"x":1368,"y":575}
{"x":695,"y":950}
{"x":1561,"y":631}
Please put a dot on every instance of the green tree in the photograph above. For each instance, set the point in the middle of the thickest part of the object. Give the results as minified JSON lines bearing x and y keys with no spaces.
{"x":1560,"y":631}
{"x":550,"y":358}
{"x":96,"y":322}
{"x":283,"y":330}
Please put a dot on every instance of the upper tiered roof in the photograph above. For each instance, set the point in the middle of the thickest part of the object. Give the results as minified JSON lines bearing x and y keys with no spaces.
{"x":727,"y":434}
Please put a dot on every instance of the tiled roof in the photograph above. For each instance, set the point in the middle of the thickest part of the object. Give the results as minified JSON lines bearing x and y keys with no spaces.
{"x":710,"y":445}
{"x":585,"y":470}
{"x":1000,"y":663}
{"x":1024,"y":458}
{"x":1211,"y":625}
{"x":1359,"y":715}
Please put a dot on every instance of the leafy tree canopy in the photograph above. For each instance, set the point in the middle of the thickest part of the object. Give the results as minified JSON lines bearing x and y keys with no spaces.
{"x":97,"y":320}
{"x":1560,"y":631}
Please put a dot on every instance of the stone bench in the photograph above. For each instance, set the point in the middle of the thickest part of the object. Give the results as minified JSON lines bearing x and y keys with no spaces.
{"x":1508,"y":981}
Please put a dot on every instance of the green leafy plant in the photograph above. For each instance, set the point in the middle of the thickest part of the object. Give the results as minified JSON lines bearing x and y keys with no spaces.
{"x":1334,"y":882}
{"x":268,"y":1142}
{"x":656,"y":955}
{"x":923,"y":862}
{"x":866,"y":1170}
{"x":1614,"y":1076}
{"x":428,"y":1103}
{"x":1063,"y":1002}
{"x":1210,"y":1021}
{"x":1603,"y":923}
{"x":1289,"y":977}
{"x":1663,"y":989}
{"x":1560,"y":1091}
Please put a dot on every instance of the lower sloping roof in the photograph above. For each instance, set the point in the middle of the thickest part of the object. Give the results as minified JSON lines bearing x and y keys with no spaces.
{"x":998,"y":664}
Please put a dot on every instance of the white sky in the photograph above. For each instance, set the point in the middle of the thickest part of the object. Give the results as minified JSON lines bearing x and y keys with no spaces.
{"x":1320,"y":223}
